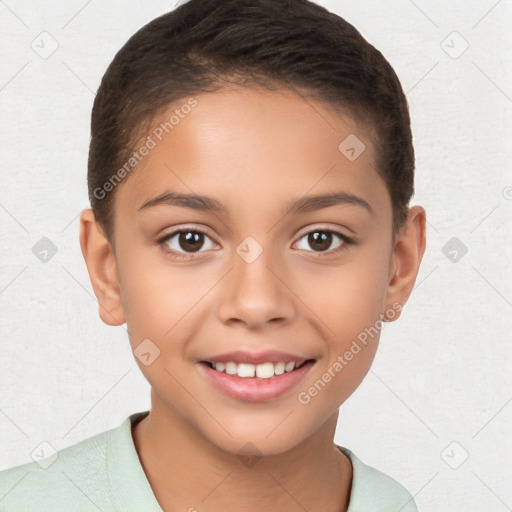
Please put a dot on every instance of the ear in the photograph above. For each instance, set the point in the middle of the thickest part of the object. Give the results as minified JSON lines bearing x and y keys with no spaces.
{"x":101,"y":264}
{"x":409,"y":247}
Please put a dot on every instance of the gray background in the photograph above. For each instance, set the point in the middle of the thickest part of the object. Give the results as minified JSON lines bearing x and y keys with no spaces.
{"x":435,"y":410}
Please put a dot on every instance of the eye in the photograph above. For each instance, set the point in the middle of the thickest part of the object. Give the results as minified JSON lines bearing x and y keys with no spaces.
{"x":184,"y":243}
{"x":321,"y":239}
{"x":189,"y":240}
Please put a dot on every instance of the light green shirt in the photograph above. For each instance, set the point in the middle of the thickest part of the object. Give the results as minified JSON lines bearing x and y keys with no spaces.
{"x":104,"y":473}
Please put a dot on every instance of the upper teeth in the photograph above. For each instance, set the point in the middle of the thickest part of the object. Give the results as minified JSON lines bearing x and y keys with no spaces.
{"x":263,"y":371}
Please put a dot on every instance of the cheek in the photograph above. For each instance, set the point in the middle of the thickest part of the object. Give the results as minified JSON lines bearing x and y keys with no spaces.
{"x":159,"y":298}
{"x":348,"y":300}
{"x":348,"y":296}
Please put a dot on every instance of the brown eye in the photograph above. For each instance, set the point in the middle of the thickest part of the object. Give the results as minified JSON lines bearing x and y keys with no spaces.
{"x":190,"y":240}
{"x":320,"y":240}
{"x":185,"y":241}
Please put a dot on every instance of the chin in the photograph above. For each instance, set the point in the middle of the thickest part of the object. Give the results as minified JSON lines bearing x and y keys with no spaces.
{"x":261,"y":438}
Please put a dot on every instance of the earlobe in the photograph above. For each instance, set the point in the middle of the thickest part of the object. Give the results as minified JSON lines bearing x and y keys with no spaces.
{"x":408,"y":252}
{"x":101,"y":265}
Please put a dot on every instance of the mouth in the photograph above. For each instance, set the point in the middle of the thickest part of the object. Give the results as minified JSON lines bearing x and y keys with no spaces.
{"x":262,"y":382}
{"x":265,"y":370}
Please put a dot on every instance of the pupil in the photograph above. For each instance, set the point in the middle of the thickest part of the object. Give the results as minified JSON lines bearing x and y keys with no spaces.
{"x":324,"y":240}
{"x":195,"y":240}
{"x":189,"y":237}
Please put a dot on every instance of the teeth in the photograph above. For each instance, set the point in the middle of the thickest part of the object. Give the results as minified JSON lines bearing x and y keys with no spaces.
{"x":289,"y":366}
{"x":279,"y":368}
{"x":265,"y":370}
{"x":231,"y":368}
{"x":246,"y":370}
{"x":262,"y":371}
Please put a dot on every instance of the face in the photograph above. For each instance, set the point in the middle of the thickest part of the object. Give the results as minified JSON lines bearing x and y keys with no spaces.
{"x":254,"y":283}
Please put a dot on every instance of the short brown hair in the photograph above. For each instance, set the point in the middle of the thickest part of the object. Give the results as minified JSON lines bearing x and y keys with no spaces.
{"x":202,"y":44}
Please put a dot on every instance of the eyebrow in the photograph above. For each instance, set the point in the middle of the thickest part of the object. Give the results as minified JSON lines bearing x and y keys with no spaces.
{"x":303,"y":204}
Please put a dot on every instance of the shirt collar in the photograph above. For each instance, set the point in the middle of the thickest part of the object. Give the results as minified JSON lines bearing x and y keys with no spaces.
{"x":132,"y":491}
{"x":129,"y":486}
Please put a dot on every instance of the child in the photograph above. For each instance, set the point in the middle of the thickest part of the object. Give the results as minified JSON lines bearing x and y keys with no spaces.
{"x":254,"y":130}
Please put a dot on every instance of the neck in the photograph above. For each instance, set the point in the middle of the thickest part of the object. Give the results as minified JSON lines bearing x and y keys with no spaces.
{"x":187,"y":472}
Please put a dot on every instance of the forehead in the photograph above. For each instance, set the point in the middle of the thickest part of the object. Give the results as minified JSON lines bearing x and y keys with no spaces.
{"x":254,"y":148}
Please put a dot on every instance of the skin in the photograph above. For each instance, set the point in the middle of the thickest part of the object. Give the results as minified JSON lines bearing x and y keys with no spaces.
{"x":253,"y":150}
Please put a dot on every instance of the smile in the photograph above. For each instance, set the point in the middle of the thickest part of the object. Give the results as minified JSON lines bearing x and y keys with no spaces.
{"x":255,"y":382}
{"x":263,"y":371}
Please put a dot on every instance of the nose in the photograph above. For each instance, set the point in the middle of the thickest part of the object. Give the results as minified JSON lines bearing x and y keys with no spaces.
{"x":256,"y":293}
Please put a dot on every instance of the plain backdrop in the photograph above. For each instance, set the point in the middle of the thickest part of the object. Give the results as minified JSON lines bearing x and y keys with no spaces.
{"x":435,"y":410}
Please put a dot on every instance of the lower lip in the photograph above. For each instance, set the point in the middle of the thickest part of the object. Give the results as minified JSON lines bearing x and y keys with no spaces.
{"x":256,"y":389}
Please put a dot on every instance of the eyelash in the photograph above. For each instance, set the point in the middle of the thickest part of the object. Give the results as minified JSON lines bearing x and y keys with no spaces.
{"x":163,"y":241}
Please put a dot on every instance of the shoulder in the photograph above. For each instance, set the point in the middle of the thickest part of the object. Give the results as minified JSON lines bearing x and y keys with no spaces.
{"x":74,"y":478}
{"x":374,"y":491}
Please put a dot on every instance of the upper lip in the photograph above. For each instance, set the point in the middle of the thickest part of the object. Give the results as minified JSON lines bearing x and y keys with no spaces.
{"x":245,"y":356}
